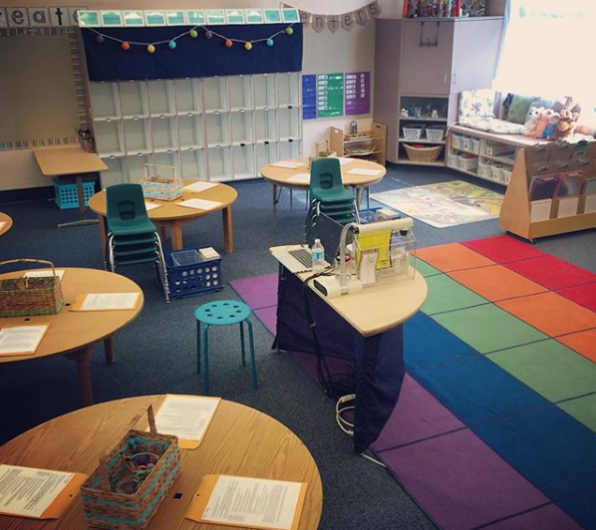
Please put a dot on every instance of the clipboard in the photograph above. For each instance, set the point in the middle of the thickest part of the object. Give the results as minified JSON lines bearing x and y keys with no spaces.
{"x":201,"y":498}
{"x":61,"y":502}
{"x":80,"y":299}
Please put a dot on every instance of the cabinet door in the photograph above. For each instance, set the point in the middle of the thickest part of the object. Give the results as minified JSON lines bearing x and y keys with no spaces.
{"x":427,"y":57}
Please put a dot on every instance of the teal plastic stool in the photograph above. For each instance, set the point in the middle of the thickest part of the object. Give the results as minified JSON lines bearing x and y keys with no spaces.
{"x":224,"y":313}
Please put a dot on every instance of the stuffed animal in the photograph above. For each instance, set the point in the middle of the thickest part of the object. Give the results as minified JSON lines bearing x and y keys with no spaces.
{"x":543,"y":122}
{"x":553,"y":121}
{"x":531,"y":120}
{"x":539,"y":123}
{"x":568,"y":112}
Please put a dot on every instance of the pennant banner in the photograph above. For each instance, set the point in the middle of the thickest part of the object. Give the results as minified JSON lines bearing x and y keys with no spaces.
{"x":346,"y":21}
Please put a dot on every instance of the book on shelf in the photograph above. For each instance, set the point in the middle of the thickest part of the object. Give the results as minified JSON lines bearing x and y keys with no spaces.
{"x":543,"y":187}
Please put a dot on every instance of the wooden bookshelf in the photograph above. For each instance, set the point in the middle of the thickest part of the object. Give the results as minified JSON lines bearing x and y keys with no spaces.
{"x":371,"y":144}
{"x":516,"y":210}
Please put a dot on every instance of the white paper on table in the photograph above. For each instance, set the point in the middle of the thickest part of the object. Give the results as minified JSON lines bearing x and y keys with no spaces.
{"x":107,"y":301}
{"x":21,"y":339}
{"x":30,"y":491}
{"x":343,"y":160}
{"x":200,"y":204}
{"x":44,"y":273}
{"x":151,"y":205}
{"x":368,"y":266}
{"x":187,"y":417}
{"x":299,"y":178}
{"x":199,"y":186}
{"x":2,"y":223}
{"x":288,"y":164}
{"x":363,"y":171}
{"x":273,"y":502}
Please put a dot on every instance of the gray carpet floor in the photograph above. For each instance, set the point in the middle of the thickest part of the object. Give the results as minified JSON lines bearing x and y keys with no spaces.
{"x":156,"y":354}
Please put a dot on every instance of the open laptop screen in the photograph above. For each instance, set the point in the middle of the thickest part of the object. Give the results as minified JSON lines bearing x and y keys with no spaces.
{"x":329,"y":232}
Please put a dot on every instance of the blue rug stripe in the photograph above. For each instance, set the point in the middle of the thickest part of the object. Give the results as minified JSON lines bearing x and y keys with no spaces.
{"x":582,"y":508}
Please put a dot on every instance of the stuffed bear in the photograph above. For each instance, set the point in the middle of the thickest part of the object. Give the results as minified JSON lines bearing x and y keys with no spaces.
{"x":531,"y":120}
{"x":568,"y":115}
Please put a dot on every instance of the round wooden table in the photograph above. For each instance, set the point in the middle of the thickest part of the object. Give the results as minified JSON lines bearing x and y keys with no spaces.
{"x":240,"y":441}
{"x":73,"y":333}
{"x":279,"y":176}
{"x":7,"y":220}
{"x":171,"y":216}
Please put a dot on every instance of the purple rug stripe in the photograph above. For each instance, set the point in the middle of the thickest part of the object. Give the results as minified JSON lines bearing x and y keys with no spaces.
{"x":258,"y":292}
{"x":460,"y":482}
{"x":268,"y":316}
{"x":308,"y":361}
{"x":549,"y":517}
{"x":417,"y":416}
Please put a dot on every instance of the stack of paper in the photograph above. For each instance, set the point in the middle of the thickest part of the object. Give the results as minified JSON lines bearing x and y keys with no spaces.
{"x":44,"y":273}
{"x":208,"y":253}
{"x":364,"y":172}
{"x":151,"y":205}
{"x":106,"y":302}
{"x":299,"y":178}
{"x":199,"y":186}
{"x":21,"y":340}
{"x":2,"y":223}
{"x":200,"y":204}
{"x":287,"y":164}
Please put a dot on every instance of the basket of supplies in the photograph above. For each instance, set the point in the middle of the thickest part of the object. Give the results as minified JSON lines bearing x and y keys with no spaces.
{"x":422,"y":153}
{"x":413,"y":132}
{"x":132,"y":479}
{"x":161,"y":182}
{"x":22,"y":297}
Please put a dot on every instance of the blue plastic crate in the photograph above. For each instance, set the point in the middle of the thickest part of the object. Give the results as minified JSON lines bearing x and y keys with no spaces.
{"x":189,"y":275}
{"x":66,"y":194}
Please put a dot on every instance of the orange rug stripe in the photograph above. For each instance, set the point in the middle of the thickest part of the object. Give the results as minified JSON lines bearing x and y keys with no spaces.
{"x":583,"y":343}
{"x":452,"y":257}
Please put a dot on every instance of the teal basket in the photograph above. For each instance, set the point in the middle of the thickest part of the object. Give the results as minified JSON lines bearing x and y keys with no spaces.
{"x":66,"y":194}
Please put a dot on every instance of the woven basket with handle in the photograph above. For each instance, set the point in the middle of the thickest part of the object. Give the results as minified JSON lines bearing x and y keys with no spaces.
{"x":423,"y":154}
{"x":21,"y":297}
{"x":104,"y":502}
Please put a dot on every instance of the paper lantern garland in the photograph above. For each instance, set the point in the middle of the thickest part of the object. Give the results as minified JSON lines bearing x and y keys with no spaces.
{"x":151,"y":47}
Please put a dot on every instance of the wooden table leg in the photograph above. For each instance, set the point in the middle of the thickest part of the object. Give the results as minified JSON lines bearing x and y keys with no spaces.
{"x":82,"y":359}
{"x":177,"y":235}
{"x":163,"y":233}
{"x":108,"y":346}
{"x":102,"y":237}
{"x":228,"y":230}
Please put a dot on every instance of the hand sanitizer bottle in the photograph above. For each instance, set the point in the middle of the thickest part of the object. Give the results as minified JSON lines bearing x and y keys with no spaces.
{"x":318,"y":256}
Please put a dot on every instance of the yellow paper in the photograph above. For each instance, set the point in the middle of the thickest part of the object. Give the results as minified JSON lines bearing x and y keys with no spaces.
{"x":376,"y":240}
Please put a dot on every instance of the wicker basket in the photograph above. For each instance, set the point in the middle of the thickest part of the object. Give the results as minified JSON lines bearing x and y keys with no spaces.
{"x":108,"y":498}
{"x":423,"y":154}
{"x":22,"y":297}
{"x":161,"y":182}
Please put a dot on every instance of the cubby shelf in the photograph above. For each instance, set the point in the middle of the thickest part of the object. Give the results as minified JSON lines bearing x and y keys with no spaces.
{"x":219,"y":128}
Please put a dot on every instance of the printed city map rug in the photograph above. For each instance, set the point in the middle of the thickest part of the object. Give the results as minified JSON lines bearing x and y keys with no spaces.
{"x":495,"y":427}
{"x":444,"y":205}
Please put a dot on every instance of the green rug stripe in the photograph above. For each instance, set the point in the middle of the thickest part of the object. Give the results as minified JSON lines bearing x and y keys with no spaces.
{"x":425,"y":269}
{"x":582,"y":409}
{"x":488,"y":328}
{"x":550,"y":368}
{"x":445,"y":294}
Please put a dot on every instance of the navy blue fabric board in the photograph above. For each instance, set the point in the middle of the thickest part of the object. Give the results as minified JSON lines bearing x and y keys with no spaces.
{"x":378,"y":359}
{"x":199,"y":57}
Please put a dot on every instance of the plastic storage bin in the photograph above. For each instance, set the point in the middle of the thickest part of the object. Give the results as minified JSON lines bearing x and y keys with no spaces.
{"x":413,"y":132}
{"x":435,"y":133}
{"x":190,"y":275}
{"x":66,"y":194}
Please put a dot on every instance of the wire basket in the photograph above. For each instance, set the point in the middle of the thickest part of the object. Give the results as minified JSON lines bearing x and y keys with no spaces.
{"x":121,"y":495}
{"x":161,"y":183}
{"x":413,"y":132}
{"x":21,"y":297}
{"x":434,"y":133}
{"x":423,"y":154}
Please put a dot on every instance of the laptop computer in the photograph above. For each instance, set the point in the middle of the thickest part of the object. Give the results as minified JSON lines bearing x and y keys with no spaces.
{"x":298,"y":258}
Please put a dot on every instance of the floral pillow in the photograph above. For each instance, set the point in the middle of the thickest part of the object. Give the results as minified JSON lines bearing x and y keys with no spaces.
{"x":476,"y":104}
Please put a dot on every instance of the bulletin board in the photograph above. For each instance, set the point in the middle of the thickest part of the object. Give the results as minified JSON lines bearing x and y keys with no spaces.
{"x":42,"y":99}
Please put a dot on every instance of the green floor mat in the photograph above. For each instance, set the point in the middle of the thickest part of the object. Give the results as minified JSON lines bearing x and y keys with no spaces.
{"x":582,"y":409}
{"x":488,"y":328}
{"x":425,"y":269}
{"x":550,"y":368}
{"x":445,"y":294}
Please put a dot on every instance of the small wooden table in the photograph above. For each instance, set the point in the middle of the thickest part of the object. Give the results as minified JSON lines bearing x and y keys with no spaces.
{"x":240,"y":441}
{"x":7,"y":220}
{"x":68,"y":163}
{"x":170,"y":215}
{"x":73,"y":334}
{"x":278,"y":176}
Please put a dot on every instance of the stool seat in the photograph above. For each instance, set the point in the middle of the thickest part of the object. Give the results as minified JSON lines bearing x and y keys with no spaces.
{"x":223,"y":313}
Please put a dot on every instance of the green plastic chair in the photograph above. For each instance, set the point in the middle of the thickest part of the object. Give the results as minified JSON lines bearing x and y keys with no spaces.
{"x":131,"y":236}
{"x":325,"y":181}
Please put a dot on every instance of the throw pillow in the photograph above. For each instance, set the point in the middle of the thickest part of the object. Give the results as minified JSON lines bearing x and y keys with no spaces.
{"x":476,"y":104}
{"x":519,"y":107}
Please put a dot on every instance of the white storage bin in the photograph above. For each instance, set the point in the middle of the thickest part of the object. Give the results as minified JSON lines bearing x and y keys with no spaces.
{"x":288,"y":123}
{"x":468,"y":164}
{"x":188,"y":96}
{"x":241,"y":128}
{"x":496,"y":173}
{"x":484,"y":170}
{"x":435,"y":133}
{"x":466,"y":143}
{"x":265,"y":125}
{"x":288,"y":89}
{"x":134,"y":102}
{"x":452,"y":160}
{"x":505,"y":175}
{"x":264,"y":95}
{"x":499,"y":149}
{"x":475,"y":145}
{"x":412,"y":132}
{"x":456,"y":141}
{"x":240,"y":92}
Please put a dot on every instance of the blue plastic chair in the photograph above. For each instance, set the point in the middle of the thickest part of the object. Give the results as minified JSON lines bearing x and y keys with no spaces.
{"x":224,"y":313}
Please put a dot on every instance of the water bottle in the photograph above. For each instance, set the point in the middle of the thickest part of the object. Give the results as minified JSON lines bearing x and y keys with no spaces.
{"x":318,"y":256}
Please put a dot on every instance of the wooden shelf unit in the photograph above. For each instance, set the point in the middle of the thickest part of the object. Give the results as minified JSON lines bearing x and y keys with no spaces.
{"x":375,"y":140}
{"x":516,"y":209}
